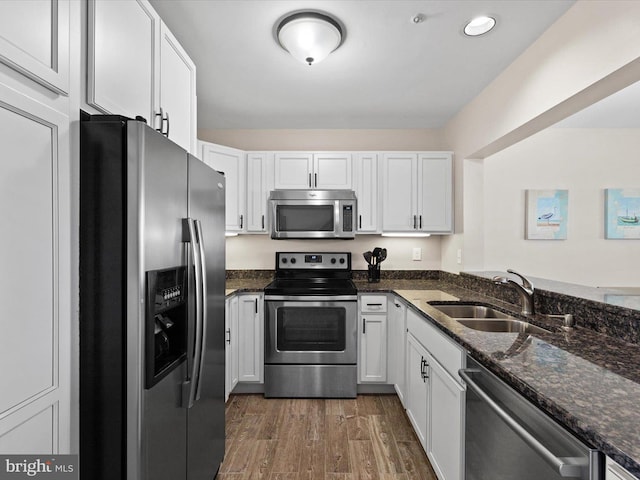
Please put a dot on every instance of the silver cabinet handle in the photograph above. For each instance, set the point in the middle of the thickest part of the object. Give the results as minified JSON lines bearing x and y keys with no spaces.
{"x":564,"y":469}
{"x":414,"y":222}
{"x":241,"y":221}
{"x":360,"y":222}
{"x":161,"y":115}
{"x":167,"y":134}
{"x":310,"y":181}
{"x":228,"y":332}
{"x":316,"y":179}
{"x":256,"y":305}
{"x":262,"y":222}
{"x":364,"y":326}
{"x":420,"y":225}
{"x":423,"y":369}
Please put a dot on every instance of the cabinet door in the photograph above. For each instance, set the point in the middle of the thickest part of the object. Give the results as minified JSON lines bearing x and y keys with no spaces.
{"x":435,"y":193}
{"x":417,"y":388}
{"x":231,"y":345}
{"x":365,"y":185}
{"x":123,"y":57}
{"x":332,"y":171}
{"x":616,"y":472}
{"x":231,"y":162}
{"x":250,"y":339}
{"x":446,"y":410}
{"x":177,"y":92}
{"x":396,"y":346}
{"x":293,"y":170}
{"x":399,"y":184}
{"x":34,"y":40}
{"x":257,"y":191}
{"x":36,"y":259}
{"x":373,"y":348}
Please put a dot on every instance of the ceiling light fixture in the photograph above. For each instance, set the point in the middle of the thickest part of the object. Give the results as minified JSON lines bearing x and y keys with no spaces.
{"x":309,"y":36}
{"x":479,"y":26}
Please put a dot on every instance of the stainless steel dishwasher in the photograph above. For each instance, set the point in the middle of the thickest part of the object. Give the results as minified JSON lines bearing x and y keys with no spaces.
{"x":507,"y":437}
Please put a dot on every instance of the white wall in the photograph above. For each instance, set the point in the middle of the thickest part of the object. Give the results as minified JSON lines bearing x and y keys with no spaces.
{"x":258,"y":251}
{"x":585,"y":162}
{"x":587,"y":54}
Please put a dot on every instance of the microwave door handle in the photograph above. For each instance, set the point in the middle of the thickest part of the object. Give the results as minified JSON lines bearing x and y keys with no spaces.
{"x":202,"y":345}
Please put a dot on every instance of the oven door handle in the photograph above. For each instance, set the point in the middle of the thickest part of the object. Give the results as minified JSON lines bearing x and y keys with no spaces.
{"x":566,"y":467}
{"x":311,"y":298}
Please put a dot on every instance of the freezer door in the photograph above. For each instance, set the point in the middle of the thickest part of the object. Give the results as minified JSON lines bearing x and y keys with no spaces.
{"x":158,"y":184}
{"x":205,"y":441}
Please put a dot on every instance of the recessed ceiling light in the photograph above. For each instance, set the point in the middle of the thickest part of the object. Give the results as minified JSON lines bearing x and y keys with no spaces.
{"x":479,"y":26}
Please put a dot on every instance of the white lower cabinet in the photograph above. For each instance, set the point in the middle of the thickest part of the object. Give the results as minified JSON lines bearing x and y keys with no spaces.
{"x":250,"y":338}
{"x":416,"y":398}
{"x":396,"y":345}
{"x":372,"y":348}
{"x":434,"y":396}
{"x":445,"y":439}
{"x":231,"y":345}
{"x":613,"y":471}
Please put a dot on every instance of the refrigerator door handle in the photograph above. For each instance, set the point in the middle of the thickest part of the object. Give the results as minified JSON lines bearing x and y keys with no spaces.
{"x":203,"y":310}
{"x":193,"y":358}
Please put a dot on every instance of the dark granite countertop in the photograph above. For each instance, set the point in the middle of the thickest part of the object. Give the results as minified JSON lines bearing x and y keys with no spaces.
{"x":587,"y":381}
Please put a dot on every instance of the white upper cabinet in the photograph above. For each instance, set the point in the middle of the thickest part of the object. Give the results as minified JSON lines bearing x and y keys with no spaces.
{"x":34,"y":40}
{"x":259,"y":184}
{"x":137,"y":67}
{"x":231,"y":162}
{"x":365,"y":184}
{"x":435,"y":193}
{"x":399,"y":186}
{"x":123,"y":57}
{"x":305,"y":170}
{"x":417,"y":192}
{"x":177,"y":108}
{"x":332,"y":171}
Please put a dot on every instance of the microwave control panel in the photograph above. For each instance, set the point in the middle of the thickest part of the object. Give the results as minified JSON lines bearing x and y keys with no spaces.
{"x":347,"y":218}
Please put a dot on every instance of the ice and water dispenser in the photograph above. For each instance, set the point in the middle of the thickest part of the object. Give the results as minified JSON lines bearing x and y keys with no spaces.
{"x":166,"y":323}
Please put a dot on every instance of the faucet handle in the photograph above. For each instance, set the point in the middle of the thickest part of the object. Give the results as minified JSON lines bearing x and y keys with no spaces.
{"x":525,"y":281}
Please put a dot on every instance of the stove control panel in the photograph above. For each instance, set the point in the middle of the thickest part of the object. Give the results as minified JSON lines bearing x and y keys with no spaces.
{"x":320,"y":261}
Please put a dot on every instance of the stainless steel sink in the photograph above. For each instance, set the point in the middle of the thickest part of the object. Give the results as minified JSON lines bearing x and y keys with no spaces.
{"x":487,"y":319}
{"x":470,"y":311}
{"x":507,"y":325}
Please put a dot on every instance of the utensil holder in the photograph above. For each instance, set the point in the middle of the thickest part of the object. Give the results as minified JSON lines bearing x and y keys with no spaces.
{"x":373,"y":274}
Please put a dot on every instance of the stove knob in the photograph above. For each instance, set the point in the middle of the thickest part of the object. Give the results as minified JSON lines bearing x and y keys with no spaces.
{"x":293,"y":260}
{"x":333,"y":260}
{"x":284,"y":260}
{"x":342,"y":260}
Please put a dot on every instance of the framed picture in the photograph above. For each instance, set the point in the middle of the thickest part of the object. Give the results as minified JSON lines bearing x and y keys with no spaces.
{"x":546,"y":214}
{"x":622,"y":211}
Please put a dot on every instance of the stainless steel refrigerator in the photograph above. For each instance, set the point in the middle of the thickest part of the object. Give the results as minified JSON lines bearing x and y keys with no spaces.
{"x":151,"y":306}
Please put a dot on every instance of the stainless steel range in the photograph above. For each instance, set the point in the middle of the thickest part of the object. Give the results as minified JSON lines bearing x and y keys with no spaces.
{"x":311,"y":327}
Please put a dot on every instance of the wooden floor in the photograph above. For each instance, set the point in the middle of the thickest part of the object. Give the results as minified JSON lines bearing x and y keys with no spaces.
{"x":316,"y":439}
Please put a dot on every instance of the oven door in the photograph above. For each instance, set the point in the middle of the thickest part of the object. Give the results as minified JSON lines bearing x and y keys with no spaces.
{"x":310,"y":331}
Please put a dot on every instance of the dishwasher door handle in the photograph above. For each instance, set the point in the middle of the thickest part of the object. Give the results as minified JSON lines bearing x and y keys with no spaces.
{"x":569,"y":467}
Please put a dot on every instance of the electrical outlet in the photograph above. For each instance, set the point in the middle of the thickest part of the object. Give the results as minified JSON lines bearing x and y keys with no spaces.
{"x":459,"y":258}
{"x":417,"y":254}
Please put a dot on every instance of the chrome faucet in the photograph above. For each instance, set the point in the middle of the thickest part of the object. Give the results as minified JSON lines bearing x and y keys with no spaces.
{"x":526,"y":290}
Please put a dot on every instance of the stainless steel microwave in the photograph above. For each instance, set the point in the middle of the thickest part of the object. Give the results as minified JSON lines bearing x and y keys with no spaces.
{"x":312,"y":214}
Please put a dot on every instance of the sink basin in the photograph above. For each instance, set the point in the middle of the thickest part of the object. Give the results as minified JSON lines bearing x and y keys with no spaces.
{"x":470,"y":311}
{"x":507,"y":325}
{"x":487,"y":319}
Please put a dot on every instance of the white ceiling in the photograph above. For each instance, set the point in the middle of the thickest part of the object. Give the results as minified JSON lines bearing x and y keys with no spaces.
{"x":389,"y":73}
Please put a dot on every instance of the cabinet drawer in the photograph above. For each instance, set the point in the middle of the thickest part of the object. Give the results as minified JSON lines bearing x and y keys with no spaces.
{"x":444,"y":350}
{"x":373,"y":303}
